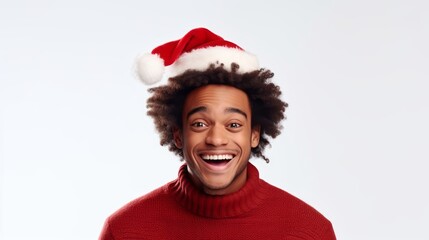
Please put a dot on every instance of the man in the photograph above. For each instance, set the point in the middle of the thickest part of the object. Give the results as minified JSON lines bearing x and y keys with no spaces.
{"x":217,"y":110}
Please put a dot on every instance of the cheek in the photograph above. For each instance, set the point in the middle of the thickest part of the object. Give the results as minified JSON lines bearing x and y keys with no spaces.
{"x":192,"y":139}
{"x":243,"y":139}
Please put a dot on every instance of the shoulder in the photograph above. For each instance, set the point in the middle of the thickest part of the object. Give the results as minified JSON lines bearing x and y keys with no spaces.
{"x":294,"y":212}
{"x":137,"y":215}
{"x":141,"y":208}
{"x":288,"y":200}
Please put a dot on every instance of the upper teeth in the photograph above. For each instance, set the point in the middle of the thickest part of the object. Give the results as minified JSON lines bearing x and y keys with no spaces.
{"x":217,"y":157}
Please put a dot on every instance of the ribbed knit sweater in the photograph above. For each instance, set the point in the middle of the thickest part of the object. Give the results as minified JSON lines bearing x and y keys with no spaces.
{"x":179,"y":210}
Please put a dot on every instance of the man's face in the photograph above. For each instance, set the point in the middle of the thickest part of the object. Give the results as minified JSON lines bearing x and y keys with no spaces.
{"x":217,"y":137}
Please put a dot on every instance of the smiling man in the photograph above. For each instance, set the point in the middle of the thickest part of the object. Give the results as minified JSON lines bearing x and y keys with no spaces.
{"x":217,"y":110}
{"x":217,"y":138}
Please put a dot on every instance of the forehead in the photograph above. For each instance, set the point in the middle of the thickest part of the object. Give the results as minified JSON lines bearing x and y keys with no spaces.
{"x":217,"y":96}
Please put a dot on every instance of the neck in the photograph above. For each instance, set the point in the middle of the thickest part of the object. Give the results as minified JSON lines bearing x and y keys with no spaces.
{"x":236,"y":184}
{"x":218,"y":204}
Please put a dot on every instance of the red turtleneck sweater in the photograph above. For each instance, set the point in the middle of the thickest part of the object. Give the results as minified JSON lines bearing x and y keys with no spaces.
{"x":178,"y":210}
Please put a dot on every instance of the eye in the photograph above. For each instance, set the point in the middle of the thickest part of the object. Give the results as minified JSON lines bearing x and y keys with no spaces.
{"x":198,"y":124}
{"x":234,"y":125}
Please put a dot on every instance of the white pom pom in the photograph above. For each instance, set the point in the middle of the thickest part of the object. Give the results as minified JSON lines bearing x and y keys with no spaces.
{"x":150,"y":68}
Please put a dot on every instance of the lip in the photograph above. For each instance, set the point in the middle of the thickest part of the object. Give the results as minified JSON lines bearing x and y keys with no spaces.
{"x":217,"y":166}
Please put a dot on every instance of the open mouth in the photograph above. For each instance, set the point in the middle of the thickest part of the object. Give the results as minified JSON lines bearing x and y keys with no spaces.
{"x":220,"y":159}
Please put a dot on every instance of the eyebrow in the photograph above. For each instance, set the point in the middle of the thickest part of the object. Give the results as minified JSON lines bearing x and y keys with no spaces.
{"x":227,"y":110}
{"x":235,"y":110}
{"x":195,"y":110}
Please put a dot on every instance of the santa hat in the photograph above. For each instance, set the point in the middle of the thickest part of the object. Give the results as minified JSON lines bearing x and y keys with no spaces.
{"x":197,"y":50}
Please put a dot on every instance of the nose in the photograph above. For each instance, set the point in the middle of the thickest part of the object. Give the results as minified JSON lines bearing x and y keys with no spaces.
{"x":217,"y":136}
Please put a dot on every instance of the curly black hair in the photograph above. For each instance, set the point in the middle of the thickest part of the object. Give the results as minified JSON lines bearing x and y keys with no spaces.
{"x":166,"y":104}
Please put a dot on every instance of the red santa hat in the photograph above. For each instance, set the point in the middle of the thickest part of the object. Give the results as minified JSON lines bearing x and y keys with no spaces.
{"x":197,"y":50}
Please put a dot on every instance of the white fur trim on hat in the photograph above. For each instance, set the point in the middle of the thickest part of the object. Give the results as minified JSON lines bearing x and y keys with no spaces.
{"x":200,"y":59}
{"x":150,"y":68}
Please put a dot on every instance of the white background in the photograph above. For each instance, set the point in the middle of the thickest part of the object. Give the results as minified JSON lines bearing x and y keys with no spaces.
{"x":76,"y":143}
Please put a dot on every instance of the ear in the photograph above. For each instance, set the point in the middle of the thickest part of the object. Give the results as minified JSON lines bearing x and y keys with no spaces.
{"x":177,"y":137}
{"x":254,"y":138}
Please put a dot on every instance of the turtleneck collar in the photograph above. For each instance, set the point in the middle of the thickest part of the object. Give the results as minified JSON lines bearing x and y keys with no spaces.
{"x":193,"y":199}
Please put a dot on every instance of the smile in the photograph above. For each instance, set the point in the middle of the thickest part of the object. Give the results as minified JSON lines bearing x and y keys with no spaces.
{"x":217,"y":162}
{"x":222,"y":157}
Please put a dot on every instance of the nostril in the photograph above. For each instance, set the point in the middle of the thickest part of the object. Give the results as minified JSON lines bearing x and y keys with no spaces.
{"x":216,"y":140}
